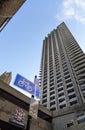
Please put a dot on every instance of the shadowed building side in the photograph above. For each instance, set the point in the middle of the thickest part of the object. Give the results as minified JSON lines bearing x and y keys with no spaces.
{"x":14,"y":106}
{"x":7,"y":10}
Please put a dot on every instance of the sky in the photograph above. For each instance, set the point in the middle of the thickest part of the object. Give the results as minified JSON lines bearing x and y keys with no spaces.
{"x":22,"y":39}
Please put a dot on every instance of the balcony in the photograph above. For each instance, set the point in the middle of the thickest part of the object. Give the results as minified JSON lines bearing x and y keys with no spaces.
{"x":62,"y":103}
{"x":62,"y":91}
{"x":53,"y":100}
{"x":73,"y":99}
{"x":79,"y":63}
{"x":69,"y":94}
{"x":61,"y":97}
{"x":81,"y":117}
{"x":53,"y":106}
{"x":80,"y":67}
{"x":78,"y":60}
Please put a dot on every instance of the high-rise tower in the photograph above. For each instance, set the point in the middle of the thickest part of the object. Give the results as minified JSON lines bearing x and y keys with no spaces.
{"x":62,"y":71}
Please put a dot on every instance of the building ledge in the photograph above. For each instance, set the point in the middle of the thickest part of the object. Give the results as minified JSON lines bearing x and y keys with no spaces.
{"x":7,"y":9}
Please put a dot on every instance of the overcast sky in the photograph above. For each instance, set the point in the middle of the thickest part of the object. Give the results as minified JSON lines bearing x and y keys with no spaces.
{"x":21,"y":40}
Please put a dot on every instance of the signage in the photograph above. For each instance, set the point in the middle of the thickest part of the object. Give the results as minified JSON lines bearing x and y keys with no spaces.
{"x":33,"y":111}
{"x":18,"y":118}
{"x":24,"y":84}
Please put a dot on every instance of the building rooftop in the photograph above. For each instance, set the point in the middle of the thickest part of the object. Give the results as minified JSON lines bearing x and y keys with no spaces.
{"x":7,"y":9}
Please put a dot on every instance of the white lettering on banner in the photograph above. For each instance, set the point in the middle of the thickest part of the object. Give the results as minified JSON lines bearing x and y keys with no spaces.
{"x":24,"y":83}
{"x":21,"y":83}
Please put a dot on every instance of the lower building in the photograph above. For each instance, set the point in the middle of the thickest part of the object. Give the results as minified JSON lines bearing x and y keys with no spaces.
{"x":14,"y":111}
{"x":69,"y":119}
{"x":14,"y":114}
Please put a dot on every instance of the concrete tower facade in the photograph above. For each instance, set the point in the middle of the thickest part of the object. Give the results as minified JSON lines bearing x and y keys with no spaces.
{"x":6,"y":77}
{"x":62,"y":74}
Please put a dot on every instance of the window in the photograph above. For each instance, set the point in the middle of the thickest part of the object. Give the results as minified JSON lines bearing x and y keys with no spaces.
{"x":80,"y":114}
{"x":82,"y":85}
{"x":73,"y":102}
{"x":53,"y":109}
{"x":64,"y":66}
{"x":70,"y":90}
{"x":52,"y":103}
{"x":51,"y":77}
{"x":64,"y":63}
{"x":69,"y":124}
{"x":44,"y":84}
{"x":51,"y":70}
{"x":45,"y":105}
{"x":44,"y":96}
{"x":81,"y":118}
{"x":62,"y":106}
{"x":59,"y":80}
{"x":69,"y":80}
{"x":51,"y":84}
{"x":60,"y":89}
{"x":51,"y":80}
{"x":81,"y":121}
{"x":44,"y":101}
{"x":68,"y":76}
{"x":72,"y":96}
{"x":51,"y":98}
{"x":59,"y":77}
{"x":52,"y":93}
{"x":61,"y":100}
{"x":69,"y":85}
{"x":65,"y":69}
{"x":52,"y":88}
{"x":66,"y":73}
{"x":58,"y":73}
{"x":61,"y":94}
{"x":59,"y":85}
{"x":45,"y":91}
{"x":45,"y":87}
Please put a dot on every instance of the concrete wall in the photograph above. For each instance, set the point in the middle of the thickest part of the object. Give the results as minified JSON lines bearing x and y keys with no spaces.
{"x":40,"y":125}
{"x":18,"y":100}
{"x":60,"y":123}
{"x":67,"y":119}
{"x":8,"y":109}
{"x":77,"y":127}
{"x":10,"y":100}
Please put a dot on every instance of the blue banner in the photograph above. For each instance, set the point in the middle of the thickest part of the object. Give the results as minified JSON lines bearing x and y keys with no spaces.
{"x":24,"y":84}
{"x":37,"y":92}
{"x":37,"y":88}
